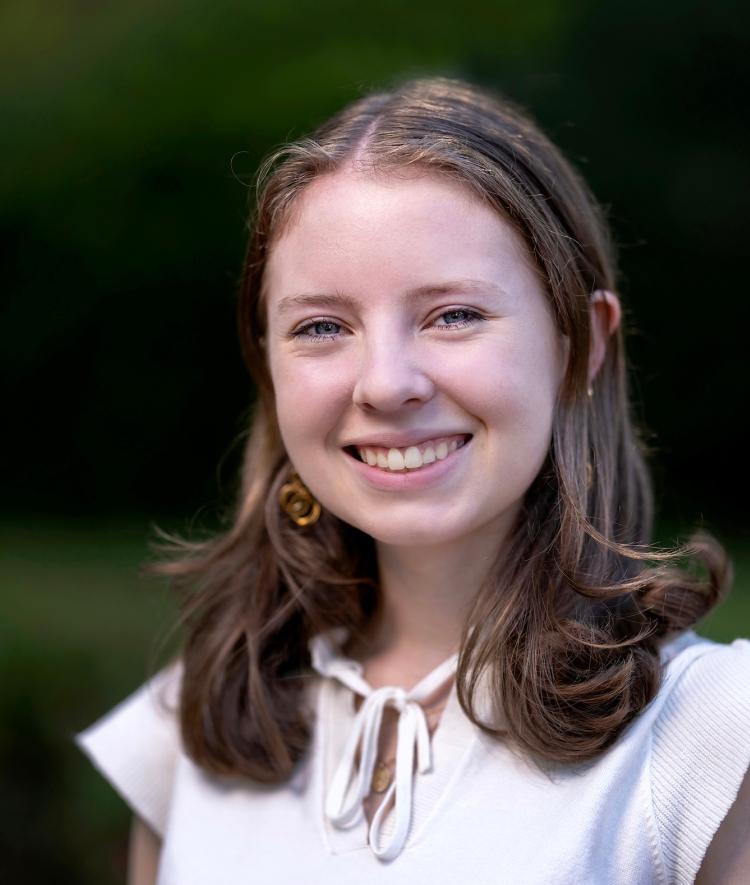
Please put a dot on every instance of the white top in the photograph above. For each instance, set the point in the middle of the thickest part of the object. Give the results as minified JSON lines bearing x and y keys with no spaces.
{"x":643,"y":812}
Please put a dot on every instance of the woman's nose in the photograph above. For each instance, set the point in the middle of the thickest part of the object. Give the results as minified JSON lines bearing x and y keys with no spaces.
{"x":389,"y":376}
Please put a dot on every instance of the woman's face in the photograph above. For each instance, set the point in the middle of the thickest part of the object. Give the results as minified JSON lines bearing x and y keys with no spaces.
{"x":402,"y":310}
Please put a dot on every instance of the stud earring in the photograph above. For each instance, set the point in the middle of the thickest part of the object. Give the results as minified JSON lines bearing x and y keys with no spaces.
{"x":297,"y":501}
{"x":590,"y":391}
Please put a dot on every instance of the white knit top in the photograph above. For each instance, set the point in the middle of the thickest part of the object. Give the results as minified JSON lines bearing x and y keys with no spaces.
{"x":643,"y":812}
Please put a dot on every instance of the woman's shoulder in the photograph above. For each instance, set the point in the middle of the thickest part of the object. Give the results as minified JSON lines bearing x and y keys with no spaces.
{"x":705,"y":694}
{"x":702,"y":674}
{"x":702,"y":708}
{"x":680,"y":652}
{"x":700,"y":750}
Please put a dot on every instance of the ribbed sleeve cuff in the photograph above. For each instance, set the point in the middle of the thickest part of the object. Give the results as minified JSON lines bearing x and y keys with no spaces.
{"x":700,"y":754}
{"x":136,"y":747}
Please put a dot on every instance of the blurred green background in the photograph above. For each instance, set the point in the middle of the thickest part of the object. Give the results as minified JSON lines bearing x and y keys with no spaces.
{"x":130,"y":132}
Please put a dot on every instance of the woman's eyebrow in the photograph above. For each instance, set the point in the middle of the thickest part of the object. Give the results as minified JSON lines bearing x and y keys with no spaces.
{"x":428,"y":290}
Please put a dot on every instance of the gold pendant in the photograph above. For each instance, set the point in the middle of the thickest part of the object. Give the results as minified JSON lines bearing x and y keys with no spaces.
{"x":381,"y":778}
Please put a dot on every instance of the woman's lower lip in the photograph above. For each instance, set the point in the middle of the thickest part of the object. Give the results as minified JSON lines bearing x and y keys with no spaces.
{"x":398,"y":480}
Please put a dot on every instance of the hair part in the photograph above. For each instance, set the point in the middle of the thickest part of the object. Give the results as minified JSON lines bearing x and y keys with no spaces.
{"x":566,"y":636}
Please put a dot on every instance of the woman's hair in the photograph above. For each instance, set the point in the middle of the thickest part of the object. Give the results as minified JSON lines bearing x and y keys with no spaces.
{"x":565,"y":630}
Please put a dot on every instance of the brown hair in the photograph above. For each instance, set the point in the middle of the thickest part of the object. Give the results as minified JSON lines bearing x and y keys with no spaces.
{"x":567,"y":633}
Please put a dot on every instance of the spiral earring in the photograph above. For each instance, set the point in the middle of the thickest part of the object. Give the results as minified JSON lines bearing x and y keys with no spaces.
{"x":297,"y":501}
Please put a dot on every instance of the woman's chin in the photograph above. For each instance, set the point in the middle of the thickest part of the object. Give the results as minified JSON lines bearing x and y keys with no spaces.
{"x":397,"y":534}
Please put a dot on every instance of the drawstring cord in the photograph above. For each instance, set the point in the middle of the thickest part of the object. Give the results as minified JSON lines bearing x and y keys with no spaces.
{"x":350,"y":785}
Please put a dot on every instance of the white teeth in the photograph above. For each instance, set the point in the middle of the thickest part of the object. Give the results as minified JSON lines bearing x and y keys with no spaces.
{"x":410,"y":458}
{"x":395,"y":460}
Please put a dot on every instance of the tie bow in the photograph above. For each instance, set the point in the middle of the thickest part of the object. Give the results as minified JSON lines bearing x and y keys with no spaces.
{"x":351,"y":784}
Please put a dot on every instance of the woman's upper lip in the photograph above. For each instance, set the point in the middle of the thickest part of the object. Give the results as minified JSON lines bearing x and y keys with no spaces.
{"x":404,"y":438}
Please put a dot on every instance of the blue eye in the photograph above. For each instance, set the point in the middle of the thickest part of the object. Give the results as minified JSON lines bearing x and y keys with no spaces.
{"x":473,"y":318}
{"x":302,"y":333}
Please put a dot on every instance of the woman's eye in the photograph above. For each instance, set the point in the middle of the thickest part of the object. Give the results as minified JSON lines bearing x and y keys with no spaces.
{"x":473,"y":317}
{"x":325,"y":330}
{"x":315,"y":325}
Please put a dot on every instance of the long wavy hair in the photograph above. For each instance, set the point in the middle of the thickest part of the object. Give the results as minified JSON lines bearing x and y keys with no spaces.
{"x":566,"y":635}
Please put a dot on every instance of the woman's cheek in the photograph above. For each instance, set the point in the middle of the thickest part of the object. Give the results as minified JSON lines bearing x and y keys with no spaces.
{"x":313,"y":397}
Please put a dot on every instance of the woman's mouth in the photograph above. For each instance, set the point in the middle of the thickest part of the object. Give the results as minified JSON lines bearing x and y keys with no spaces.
{"x":411,"y":458}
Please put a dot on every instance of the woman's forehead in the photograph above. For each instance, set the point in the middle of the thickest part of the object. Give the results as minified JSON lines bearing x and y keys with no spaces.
{"x":349,"y":196}
{"x":352,"y":230}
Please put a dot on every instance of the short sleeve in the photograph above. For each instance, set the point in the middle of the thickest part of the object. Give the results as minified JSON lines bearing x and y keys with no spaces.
{"x":137,"y":744}
{"x":700,"y":754}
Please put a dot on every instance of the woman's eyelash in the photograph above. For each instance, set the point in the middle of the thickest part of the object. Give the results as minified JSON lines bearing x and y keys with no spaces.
{"x":300,"y":333}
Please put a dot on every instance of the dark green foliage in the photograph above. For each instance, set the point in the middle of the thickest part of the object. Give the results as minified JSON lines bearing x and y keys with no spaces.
{"x":129,"y":129}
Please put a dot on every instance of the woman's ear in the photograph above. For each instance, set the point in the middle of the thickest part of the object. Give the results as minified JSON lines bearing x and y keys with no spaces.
{"x":605,"y":313}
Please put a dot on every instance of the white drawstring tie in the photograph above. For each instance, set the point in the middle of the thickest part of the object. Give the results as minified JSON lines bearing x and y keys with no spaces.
{"x":343,"y":805}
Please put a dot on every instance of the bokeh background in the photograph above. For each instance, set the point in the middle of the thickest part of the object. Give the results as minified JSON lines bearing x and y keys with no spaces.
{"x":129,"y":133}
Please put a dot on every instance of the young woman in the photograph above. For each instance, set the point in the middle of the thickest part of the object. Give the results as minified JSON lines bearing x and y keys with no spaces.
{"x":434,"y":644}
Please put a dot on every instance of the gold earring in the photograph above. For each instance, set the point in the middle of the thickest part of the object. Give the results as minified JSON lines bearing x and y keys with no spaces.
{"x":297,"y":501}
{"x":589,"y":474}
{"x":590,"y":391}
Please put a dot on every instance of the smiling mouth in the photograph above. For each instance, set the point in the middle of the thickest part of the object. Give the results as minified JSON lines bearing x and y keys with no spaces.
{"x":408,"y":460}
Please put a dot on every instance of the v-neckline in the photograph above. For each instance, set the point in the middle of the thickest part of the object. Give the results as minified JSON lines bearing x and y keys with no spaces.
{"x":451,"y":743}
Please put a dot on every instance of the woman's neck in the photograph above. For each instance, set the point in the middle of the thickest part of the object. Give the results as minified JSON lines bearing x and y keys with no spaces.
{"x":425,"y":597}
